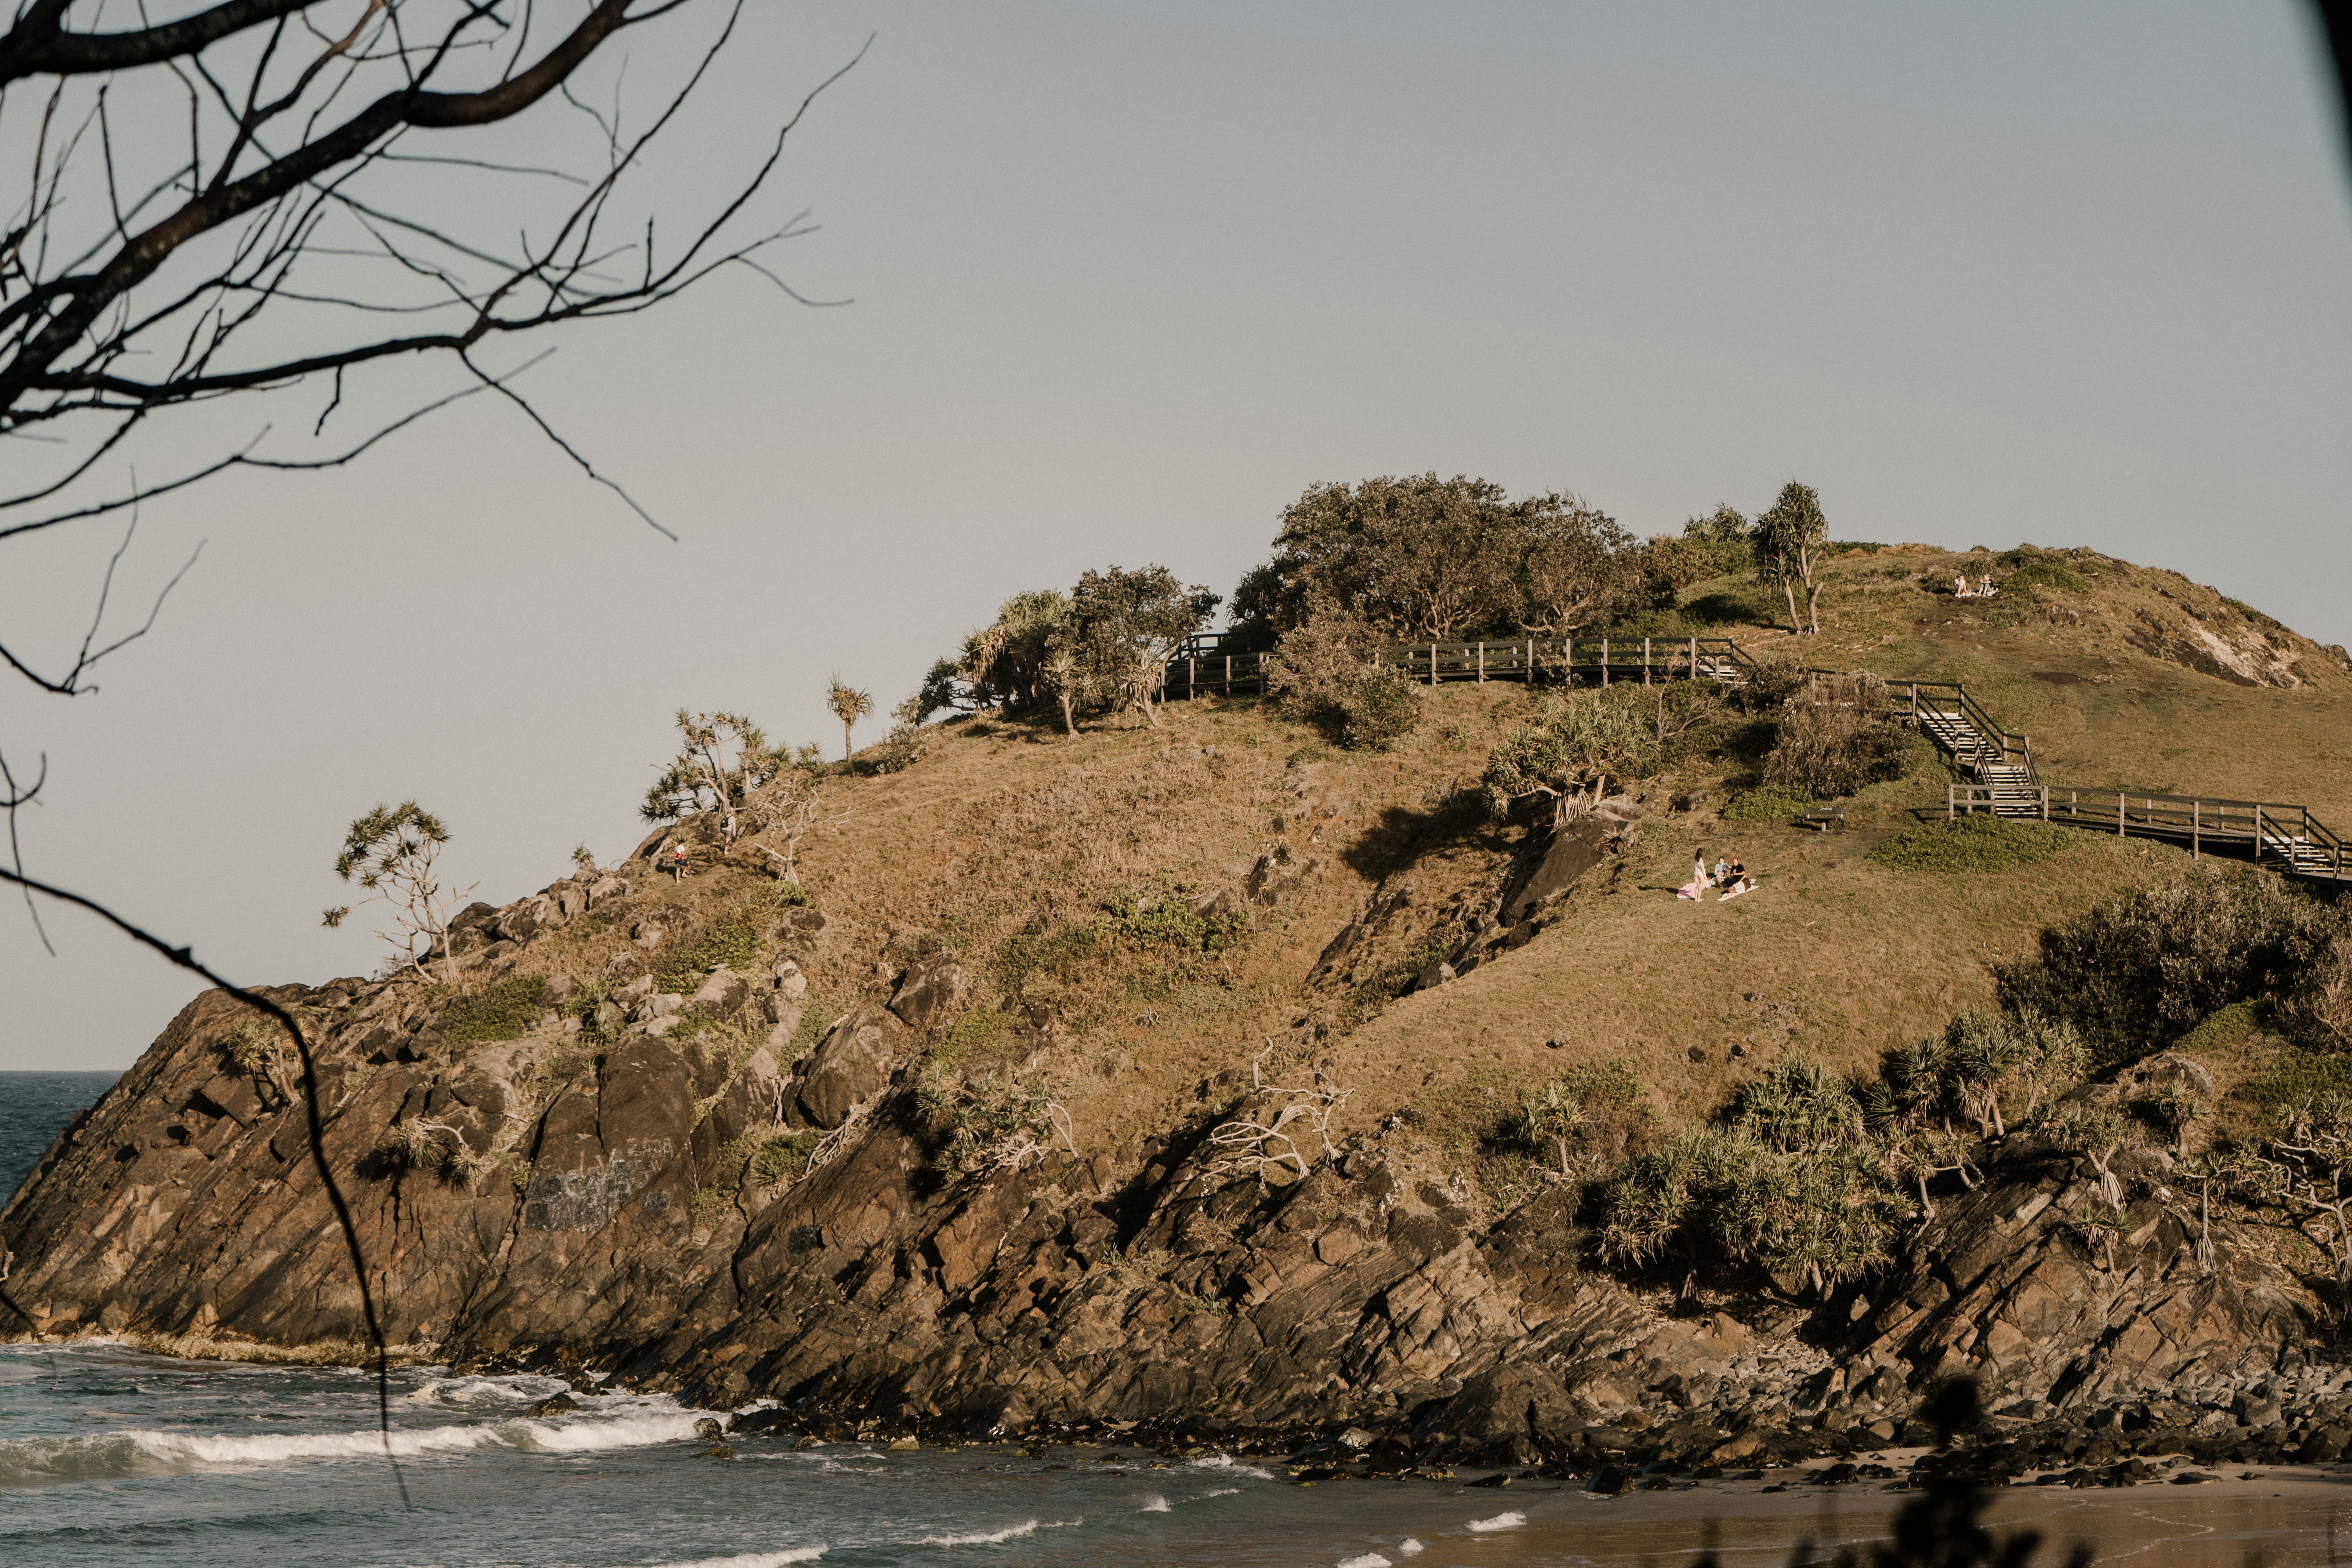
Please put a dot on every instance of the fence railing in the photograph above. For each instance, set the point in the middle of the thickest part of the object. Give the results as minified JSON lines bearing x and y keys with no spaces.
{"x":1921,"y":698}
{"x":1598,"y":661}
{"x":2284,"y":835}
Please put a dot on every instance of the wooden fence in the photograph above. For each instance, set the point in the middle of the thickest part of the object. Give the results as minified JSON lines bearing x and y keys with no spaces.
{"x":2286,"y":836}
{"x":1594,"y":661}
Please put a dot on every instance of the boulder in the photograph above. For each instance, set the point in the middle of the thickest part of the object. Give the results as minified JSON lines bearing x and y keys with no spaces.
{"x":930,"y":990}
{"x":851,"y":1067}
{"x":791,"y":983}
{"x":604,"y":889}
{"x":722,"y":993}
{"x":1551,"y":864}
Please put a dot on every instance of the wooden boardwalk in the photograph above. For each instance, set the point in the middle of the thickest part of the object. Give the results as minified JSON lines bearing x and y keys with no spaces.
{"x":2004,"y":780}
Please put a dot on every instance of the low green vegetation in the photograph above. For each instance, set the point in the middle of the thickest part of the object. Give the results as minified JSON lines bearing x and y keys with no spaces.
{"x":502,"y":1010}
{"x":981,"y":1035}
{"x":1809,"y":1175}
{"x":1768,"y":803}
{"x":785,"y":1156}
{"x":2042,"y":574}
{"x":1973,"y":843}
{"x":731,"y":940}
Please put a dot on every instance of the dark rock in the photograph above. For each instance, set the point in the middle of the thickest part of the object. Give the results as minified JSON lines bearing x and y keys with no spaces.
{"x":1611,"y":1480}
{"x":932,"y":989}
{"x":1275,"y":874}
{"x":851,"y":1067}
{"x":1551,"y":863}
{"x":708,"y":1427}
{"x":554,"y":1404}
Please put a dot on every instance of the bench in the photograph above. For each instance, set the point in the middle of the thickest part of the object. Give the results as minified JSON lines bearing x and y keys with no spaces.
{"x":1822,"y":818}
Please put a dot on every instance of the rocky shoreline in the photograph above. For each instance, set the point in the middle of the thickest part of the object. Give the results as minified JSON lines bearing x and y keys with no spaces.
{"x":544,"y":1203}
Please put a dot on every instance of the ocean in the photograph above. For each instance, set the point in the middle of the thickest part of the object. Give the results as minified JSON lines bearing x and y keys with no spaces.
{"x":113,"y":1457}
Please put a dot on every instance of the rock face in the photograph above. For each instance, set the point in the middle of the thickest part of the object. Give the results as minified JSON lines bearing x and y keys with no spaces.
{"x":2003,"y":1290}
{"x":557,"y":1201}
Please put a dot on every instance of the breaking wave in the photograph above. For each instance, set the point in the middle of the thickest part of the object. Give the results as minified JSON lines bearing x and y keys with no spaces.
{"x":142,"y":1451}
{"x":753,"y":1559}
{"x":996,"y":1537}
{"x":1500,"y":1521}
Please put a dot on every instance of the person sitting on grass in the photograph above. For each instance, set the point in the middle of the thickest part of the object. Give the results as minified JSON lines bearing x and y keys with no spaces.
{"x":1741,"y":882}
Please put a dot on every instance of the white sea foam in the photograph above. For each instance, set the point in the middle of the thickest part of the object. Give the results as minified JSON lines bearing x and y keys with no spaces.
{"x":1228,"y":1463}
{"x":1155,"y":1503}
{"x":1222,"y":1491}
{"x":466,"y":1393}
{"x":142,"y":1448}
{"x":753,"y":1559}
{"x":1500,"y":1521}
{"x":1369,"y":1560}
{"x":1408,"y":1546}
{"x":997,"y":1537}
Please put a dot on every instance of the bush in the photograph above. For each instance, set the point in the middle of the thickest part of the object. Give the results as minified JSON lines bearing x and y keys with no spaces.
{"x":731,"y":940}
{"x":1835,"y":737}
{"x":502,"y":1010}
{"x":1321,"y":672}
{"x":982,"y":1034}
{"x":1381,"y":709}
{"x":1975,"y":843}
{"x":2042,"y":574}
{"x":1823,"y":1214}
{"x":1584,"y":1117}
{"x":1772,"y":802}
{"x":1165,"y":919}
{"x":901,"y":750}
{"x":783,"y":1157}
{"x":2137,"y":972}
{"x":1767,"y":684}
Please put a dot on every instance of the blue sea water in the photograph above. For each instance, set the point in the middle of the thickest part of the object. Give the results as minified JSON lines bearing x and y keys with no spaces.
{"x":114,"y":1458}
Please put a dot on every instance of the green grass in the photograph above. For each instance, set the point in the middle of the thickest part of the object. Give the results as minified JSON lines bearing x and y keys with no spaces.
{"x":981,"y":1036}
{"x":502,"y":1010}
{"x":1770,"y":803}
{"x":1973,"y":843}
{"x":731,"y":940}
{"x":783,"y":1157}
{"x":2297,"y":1075}
{"x":2043,"y":574}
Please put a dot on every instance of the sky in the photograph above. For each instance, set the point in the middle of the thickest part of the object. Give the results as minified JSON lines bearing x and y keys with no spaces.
{"x":1123,"y":282}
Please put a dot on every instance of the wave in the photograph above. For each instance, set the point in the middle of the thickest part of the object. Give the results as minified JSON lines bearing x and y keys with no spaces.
{"x":1408,"y":1546}
{"x":996,"y":1537}
{"x":1369,"y":1560}
{"x":1228,"y":1463}
{"x":1155,"y":1503}
{"x":753,"y":1559}
{"x":1500,"y":1521}
{"x":519,"y":1389}
{"x":141,"y":1451}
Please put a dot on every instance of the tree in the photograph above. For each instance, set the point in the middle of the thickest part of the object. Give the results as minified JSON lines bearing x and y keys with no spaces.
{"x":848,"y":704}
{"x":1419,"y":557}
{"x":1786,"y":538}
{"x":1574,"y":563}
{"x":1121,"y":631}
{"x":390,"y":853}
{"x":723,"y":757}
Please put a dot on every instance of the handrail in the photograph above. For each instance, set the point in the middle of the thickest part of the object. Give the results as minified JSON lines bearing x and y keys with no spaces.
{"x":2273,"y":831}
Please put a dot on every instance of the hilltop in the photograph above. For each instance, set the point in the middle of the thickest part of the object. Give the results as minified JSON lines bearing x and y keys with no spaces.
{"x":939,"y":1132}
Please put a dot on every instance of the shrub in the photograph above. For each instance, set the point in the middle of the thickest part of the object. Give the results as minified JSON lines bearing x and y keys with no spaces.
{"x":1165,"y":919}
{"x":991,"y":1122}
{"x":731,"y":940}
{"x":1974,"y":843}
{"x":786,"y":1155}
{"x":1381,"y":709}
{"x":1823,"y":1214}
{"x":1835,"y":737}
{"x":1771,"y":803}
{"x":1767,"y":685}
{"x":502,"y":1010}
{"x":2137,"y":972}
{"x":1585,"y":1116}
{"x":2042,"y":574}
{"x":901,"y":750}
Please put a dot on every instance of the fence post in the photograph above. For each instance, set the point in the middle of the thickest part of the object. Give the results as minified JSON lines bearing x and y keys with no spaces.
{"x":2258,"y":832}
{"x":1567,"y":660}
{"x":1432,"y":664}
{"x":2196,"y":830}
{"x":1951,"y":793}
{"x":2120,"y":798}
{"x":1604,"y":662}
{"x":1229,"y":675}
{"x":1482,"y":662}
{"x":1694,"y":653}
{"x":1645,"y":661}
{"x":2045,"y":803}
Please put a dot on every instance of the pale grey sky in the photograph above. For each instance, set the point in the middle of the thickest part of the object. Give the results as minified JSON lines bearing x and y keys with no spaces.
{"x":1128,"y":280}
